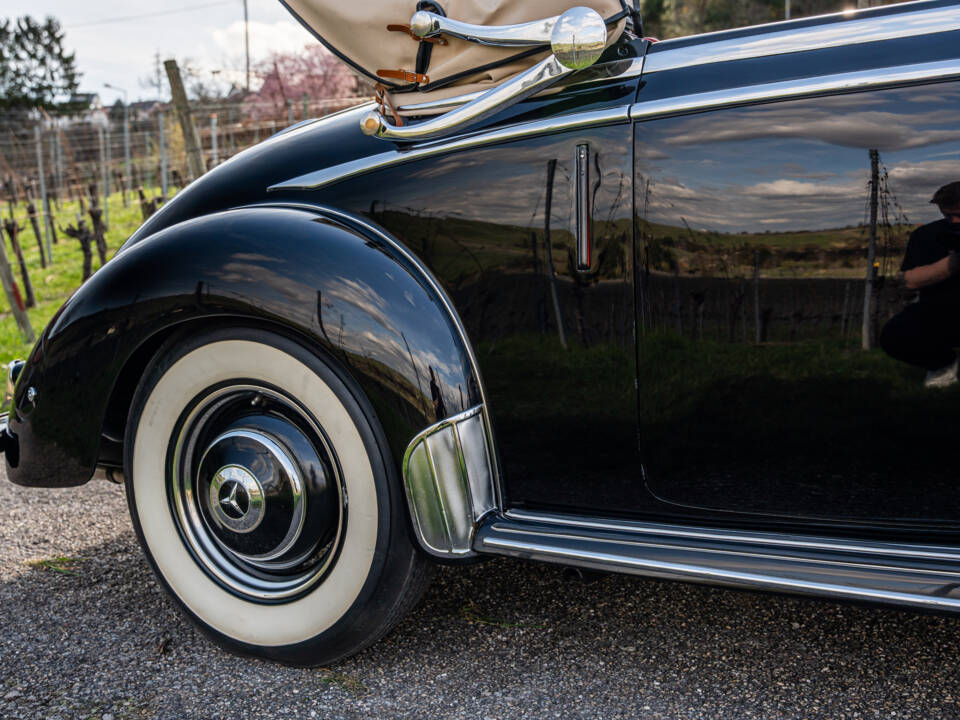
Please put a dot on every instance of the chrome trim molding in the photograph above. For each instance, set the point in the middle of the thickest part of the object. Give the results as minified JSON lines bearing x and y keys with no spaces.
{"x":847,"y":29}
{"x":782,"y":37}
{"x":449,"y":481}
{"x":841,"y":82}
{"x":583,"y":206}
{"x":371,"y":163}
{"x":532,"y":550}
{"x":542,"y":75}
{"x":789,"y":40}
{"x":920,"y":552}
{"x":436,"y":106}
{"x":427,"y":24}
{"x":577,"y":39}
{"x":602,"y":72}
{"x":912,"y":575}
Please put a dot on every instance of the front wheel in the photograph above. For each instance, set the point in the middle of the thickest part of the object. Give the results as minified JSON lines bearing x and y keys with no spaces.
{"x":259,"y":484}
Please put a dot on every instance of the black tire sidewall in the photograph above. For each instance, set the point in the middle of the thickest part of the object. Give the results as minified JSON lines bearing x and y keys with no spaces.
{"x":374,"y":609}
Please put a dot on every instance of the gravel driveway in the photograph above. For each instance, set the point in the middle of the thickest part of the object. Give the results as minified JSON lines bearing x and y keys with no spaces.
{"x":501,"y":639}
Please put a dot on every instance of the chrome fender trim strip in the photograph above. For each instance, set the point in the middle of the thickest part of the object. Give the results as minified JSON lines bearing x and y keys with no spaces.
{"x":848,"y":29}
{"x":841,"y":82}
{"x":371,"y":163}
{"x":449,"y":481}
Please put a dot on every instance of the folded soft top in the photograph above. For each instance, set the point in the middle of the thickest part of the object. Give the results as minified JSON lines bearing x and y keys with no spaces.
{"x":358,"y":33}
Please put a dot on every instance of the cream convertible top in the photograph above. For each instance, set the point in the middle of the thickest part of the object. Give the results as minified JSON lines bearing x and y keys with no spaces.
{"x":358,"y":33}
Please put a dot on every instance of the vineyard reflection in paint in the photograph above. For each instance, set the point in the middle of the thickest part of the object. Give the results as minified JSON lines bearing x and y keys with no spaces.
{"x":771,"y":243}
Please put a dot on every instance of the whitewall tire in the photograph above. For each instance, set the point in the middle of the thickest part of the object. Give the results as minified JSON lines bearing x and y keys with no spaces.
{"x":259,"y":483}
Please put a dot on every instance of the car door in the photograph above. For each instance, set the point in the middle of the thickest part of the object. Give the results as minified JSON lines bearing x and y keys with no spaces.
{"x":772,"y":236}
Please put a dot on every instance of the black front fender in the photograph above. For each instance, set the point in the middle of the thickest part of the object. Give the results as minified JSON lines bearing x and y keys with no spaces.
{"x":331,"y":281}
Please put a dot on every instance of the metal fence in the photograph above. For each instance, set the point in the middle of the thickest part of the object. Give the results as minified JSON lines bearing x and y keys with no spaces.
{"x":120,"y":149}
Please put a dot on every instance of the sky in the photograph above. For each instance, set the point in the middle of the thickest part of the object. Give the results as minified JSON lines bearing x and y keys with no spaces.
{"x":116,"y":41}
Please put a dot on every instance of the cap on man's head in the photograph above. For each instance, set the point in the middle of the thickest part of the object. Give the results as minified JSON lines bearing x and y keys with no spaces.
{"x":948,"y":195}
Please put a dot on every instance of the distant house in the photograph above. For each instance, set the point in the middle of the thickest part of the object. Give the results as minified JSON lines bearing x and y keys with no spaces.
{"x":85,"y":102}
{"x":86,"y":108}
{"x":145,"y":109}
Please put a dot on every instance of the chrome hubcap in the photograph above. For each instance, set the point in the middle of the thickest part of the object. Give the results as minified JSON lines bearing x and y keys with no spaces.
{"x":236,"y":499}
{"x":256,"y":492}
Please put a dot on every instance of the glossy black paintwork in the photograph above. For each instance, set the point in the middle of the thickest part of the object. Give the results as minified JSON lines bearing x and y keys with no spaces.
{"x":565,"y":417}
{"x":757,"y":402}
{"x":793,"y":66}
{"x":291,"y":270}
{"x":566,"y":421}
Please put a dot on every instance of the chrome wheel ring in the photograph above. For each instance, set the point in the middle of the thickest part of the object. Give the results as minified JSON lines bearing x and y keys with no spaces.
{"x":256,"y":492}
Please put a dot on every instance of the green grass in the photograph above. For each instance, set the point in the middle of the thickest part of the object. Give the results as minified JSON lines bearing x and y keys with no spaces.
{"x":63,"y":564}
{"x":55,"y":283}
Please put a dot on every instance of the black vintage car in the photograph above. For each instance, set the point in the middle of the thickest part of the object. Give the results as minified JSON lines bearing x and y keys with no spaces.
{"x":648,"y":319}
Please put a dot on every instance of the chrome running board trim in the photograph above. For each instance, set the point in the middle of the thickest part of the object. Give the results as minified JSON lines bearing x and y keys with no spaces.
{"x":912,"y":575}
{"x":805,"y":542}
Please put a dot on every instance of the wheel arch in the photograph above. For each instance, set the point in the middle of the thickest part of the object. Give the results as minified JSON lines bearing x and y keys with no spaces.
{"x":331,"y":280}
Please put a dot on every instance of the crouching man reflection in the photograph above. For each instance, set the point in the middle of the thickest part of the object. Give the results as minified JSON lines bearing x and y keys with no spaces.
{"x":927,"y":331}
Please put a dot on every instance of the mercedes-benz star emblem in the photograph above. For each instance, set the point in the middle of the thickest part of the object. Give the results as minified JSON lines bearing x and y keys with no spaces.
{"x":233,"y":499}
{"x":236,"y":499}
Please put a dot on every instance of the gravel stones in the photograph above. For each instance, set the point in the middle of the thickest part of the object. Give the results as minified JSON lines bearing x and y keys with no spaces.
{"x":500,"y":639}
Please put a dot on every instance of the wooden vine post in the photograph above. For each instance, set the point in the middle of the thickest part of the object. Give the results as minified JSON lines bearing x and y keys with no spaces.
{"x":191,"y":138}
{"x":13,"y":231}
{"x":13,"y":296}
{"x":32,"y":213}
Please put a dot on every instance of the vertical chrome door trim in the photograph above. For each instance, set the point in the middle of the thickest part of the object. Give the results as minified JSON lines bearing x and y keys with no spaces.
{"x":584,"y":214}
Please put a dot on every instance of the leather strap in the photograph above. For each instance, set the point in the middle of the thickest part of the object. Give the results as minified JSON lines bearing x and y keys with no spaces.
{"x":383,"y":100}
{"x":405,"y":75}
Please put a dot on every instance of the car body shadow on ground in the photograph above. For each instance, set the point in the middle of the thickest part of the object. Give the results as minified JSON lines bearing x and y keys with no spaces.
{"x":500,"y":639}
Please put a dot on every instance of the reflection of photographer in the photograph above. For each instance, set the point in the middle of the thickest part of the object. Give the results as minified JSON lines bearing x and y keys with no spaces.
{"x":926,"y":332}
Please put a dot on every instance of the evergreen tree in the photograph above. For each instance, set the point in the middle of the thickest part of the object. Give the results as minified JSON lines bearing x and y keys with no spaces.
{"x":35,"y":69}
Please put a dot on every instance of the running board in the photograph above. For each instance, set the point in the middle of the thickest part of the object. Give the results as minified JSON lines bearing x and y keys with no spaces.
{"x":920,"y":576}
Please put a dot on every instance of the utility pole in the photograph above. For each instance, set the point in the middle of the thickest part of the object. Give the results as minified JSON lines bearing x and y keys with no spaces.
{"x":786,"y":9}
{"x":871,"y":250}
{"x":44,"y":205}
{"x":126,"y":137}
{"x":246,"y":39}
{"x":214,"y":151}
{"x":105,"y":176}
{"x":191,"y":138}
{"x":163,"y":156}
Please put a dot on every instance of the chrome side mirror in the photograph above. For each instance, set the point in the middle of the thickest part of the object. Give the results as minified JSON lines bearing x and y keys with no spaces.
{"x":577,"y":38}
{"x":578,"y":34}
